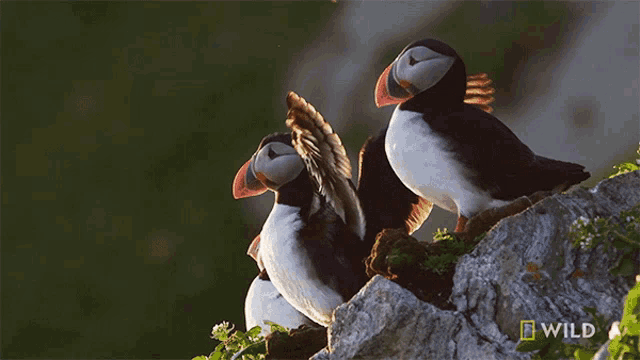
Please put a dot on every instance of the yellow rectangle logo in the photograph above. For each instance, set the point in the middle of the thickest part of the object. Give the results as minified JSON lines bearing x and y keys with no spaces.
{"x":525,"y":330}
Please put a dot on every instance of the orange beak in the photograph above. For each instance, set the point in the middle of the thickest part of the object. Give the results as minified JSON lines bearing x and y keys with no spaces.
{"x":245,"y":184}
{"x":383,"y":98}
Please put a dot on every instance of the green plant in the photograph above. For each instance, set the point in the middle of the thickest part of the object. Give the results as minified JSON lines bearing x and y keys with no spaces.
{"x":621,"y":232}
{"x":626,"y":167}
{"x":449,"y":249}
{"x":247,"y":346}
{"x":626,"y":345}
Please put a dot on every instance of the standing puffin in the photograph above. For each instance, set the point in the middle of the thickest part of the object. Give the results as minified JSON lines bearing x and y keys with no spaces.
{"x":459,"y":157}
{"x":265,"y":303}
{"x":312,"y":241}
{"x":387,"y":202}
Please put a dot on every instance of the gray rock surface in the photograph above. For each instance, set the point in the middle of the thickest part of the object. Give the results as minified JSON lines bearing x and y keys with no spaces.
{"x":524,"y":269}
{"x":603,"y":352}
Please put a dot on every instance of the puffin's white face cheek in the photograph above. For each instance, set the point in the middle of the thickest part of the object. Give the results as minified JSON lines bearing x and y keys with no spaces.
{"x":278,"y":163}
{"x":283,"y":169}
{"x":420,"y":68}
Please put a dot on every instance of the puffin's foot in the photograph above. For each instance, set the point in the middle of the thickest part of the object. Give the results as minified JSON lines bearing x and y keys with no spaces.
{"x":461,"y":224}
{"x":408,"y":262}
{"x":300,"y":343}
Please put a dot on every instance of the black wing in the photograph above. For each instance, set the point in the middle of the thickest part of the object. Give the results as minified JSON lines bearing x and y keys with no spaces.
{"x":387,"y":203}
{"x":336,"y":253}
{"x":496,"y":160}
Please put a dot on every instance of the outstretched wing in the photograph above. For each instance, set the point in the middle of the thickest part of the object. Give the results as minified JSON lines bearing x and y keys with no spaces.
{"x":326,"y":160}
{"x":479,"y":92}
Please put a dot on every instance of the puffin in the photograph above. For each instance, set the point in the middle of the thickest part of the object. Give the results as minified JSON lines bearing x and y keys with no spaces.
{"x":387,"y":202}
{"x":265,"y":303}
{"x":310,"y":174}
{"x":311,"y":244}
{"x":452,"y":153}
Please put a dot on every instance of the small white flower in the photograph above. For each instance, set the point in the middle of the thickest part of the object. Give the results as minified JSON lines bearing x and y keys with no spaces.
{"x":630,"y":218}
{"x":587,"y":241}
{"x":580,"y":222}
{"x":222,"y":326}
{"x":615,"y":330}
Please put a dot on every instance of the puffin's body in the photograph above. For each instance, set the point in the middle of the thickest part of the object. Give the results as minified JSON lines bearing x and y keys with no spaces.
{"x":451,"y":153}
{"x":311,"y":244}
{"x":387,"y":202}
{"x":265,"y":303}
{"x":308,"y":257}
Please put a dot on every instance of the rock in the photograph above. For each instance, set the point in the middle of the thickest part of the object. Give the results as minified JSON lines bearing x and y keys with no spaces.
{"x":525,"y":268}
{"x":603,"y":352}
{"x":385,"y":321}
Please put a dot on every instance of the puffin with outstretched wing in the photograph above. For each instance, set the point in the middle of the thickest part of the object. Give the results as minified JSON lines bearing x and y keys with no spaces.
{"x":312,"y":242}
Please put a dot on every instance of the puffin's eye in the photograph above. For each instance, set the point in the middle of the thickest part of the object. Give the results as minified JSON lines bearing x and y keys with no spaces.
{"x":412,"y":61}
{"x":271,"y":154}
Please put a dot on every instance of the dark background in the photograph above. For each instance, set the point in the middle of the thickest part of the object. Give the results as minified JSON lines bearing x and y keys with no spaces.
{"x":123,"y":125}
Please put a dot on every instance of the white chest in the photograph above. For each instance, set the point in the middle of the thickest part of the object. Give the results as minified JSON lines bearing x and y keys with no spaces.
{"x":265,"y":303}
{"x":289,"y":268}
{"x":418,"y":158}
{"x":422,"y":162}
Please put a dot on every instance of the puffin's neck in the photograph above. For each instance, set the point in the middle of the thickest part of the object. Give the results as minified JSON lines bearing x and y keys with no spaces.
{"x":298,"y":192}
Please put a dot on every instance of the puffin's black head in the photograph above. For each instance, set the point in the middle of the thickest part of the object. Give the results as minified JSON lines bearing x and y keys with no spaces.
{"x":274,"y":164}
{"x":423,"y":66}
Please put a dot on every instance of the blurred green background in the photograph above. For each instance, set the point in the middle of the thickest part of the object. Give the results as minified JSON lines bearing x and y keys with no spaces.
{"x":123,"y":125}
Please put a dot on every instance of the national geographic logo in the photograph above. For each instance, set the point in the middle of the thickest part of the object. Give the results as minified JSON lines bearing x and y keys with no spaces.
{"x":528,"y":330}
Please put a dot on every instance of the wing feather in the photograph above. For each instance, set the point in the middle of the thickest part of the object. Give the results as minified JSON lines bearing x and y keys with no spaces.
{"x":326,"y":160}
{"x":479,"y":91}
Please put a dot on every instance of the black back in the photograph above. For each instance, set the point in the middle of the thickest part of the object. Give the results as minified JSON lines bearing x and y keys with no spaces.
{"x":496,"y":160}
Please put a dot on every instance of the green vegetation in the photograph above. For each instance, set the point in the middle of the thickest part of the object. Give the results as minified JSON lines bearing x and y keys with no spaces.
{"x":626,"y":167}
{"x":621,"y":232}
{"x":249,"y":346}
{"x":626,"y":345}
{"x":445,"y":254}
